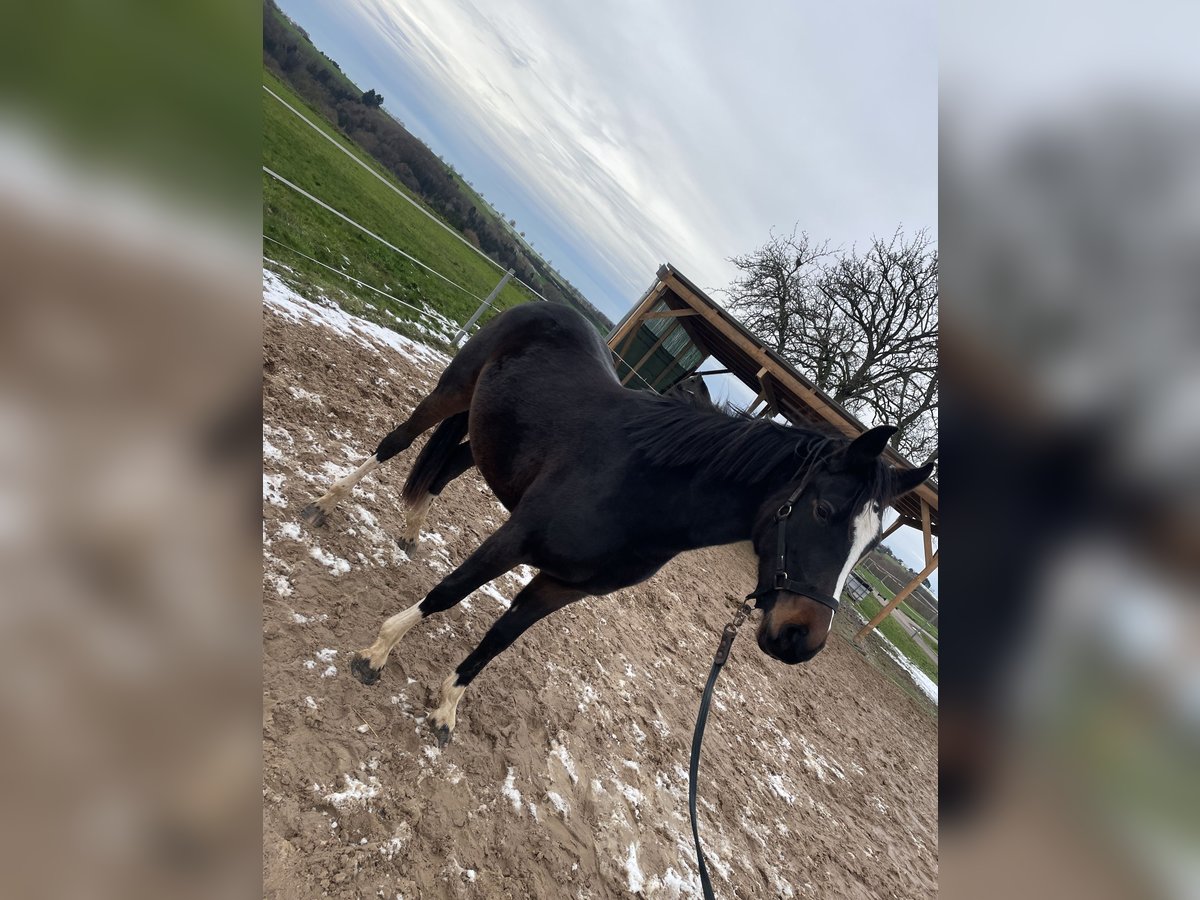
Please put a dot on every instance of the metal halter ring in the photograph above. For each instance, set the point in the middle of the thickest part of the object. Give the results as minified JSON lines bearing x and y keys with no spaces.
{"x":783,"y":511}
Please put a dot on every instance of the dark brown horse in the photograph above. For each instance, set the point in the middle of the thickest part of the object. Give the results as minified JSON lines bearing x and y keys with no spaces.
{"x":606,"y":484}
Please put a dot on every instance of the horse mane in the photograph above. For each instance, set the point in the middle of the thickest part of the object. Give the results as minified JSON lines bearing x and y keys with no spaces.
{"x":727,"y":442}
{"x":723,"y":441}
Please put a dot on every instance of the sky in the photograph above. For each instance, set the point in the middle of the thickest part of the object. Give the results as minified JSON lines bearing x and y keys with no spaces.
{"x":622,"y":134}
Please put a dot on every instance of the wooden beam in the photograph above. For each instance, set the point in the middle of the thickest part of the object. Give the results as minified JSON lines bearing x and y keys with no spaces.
{"x":891,"y":529}
{"x":641,"y":362}
{"x":670,"y":313}
{"x":619,"y":355}
{"x":925,"y":531}
{"x":898,"y":599}
{"x":768,"y":389}
{"x":634,"y":322}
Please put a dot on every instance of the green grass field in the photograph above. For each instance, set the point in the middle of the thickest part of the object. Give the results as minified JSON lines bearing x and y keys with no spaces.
{"x":296,"y":152}
{"x":887,"y":594}
{"x":892,"y":630}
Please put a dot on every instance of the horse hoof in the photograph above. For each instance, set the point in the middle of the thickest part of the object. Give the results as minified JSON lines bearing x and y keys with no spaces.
{"x":314,"y":515}
{"x":406,"y":545}
{"x":363,"y":671}
{"x":443,"y":736}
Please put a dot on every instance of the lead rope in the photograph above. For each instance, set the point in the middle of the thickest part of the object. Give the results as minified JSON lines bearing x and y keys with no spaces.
{"x":780,"y":582}
{"x":719,"y":660}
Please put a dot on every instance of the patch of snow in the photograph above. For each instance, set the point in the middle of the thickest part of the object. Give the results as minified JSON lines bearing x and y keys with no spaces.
{"x":777,"y":785}
{"x":923,"y":682}
{"x":509,"y":789}
{"x":522,"y":575}
{"x":291,"y":531}
{"x":326,"y":654}
{"x":282,"y":586}
{"x":271,"y":453}
{"x":557,"y":802}
{"x":634,"y":872}
{"x":496,"y":595}
{"x":330,"y":672}
{"x":308,"y":397}
{"x":630,"y":793}
{"x":273,"y":490}
{"x":287,"y":303}
{"x":818,"y":763}
{"x":393,"y":845}
{"x":357,"y":793}
{"x":335,"y":564}
{"x":675,"y":885}
{"x":310,"y":702}
{"x":559,"y":752}
{"x":587,"y":695}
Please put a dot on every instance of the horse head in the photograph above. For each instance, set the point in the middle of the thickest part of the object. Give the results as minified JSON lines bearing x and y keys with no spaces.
{"x":813,"y":531}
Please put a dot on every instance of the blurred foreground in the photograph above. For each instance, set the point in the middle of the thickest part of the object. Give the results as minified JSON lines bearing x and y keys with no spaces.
{"x":1070,"y":705}
{"x":129,"y":447}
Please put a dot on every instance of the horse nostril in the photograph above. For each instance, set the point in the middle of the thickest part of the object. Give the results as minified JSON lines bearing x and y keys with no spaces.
{"x":794,"y":636}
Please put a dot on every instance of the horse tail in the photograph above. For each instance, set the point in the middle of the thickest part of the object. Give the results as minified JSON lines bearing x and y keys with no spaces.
{"x":433,"y":457}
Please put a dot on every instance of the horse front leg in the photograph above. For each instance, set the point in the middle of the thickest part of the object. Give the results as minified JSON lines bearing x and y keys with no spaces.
{"x":542,"y":596}
{"x":491,"y":559}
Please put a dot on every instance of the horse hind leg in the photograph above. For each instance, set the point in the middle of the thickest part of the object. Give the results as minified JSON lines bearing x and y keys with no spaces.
{"x":452,"y":396}
{"x":439,"y":463}
{"x":542,"y":596}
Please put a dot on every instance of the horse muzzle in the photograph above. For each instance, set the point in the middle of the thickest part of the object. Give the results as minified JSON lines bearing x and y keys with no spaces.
{"x":794,"y":629}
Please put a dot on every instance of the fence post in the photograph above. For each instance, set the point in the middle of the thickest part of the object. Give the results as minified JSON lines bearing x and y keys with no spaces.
{"x":491,"y":298}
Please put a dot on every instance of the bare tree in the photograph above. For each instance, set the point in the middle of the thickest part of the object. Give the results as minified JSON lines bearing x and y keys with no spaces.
{"x":863,"y":326}
{"x":776,"y":281}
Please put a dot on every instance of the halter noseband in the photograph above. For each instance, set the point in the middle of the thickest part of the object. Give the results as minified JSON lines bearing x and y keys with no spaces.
{"x":780,"y":580}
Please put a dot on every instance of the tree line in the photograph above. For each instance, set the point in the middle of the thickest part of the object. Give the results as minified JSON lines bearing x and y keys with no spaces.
{"x":359,"y":115}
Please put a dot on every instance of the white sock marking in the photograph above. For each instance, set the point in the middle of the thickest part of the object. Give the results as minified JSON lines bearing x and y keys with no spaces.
{"x":452,"y":692}
{"x":390,"y":634}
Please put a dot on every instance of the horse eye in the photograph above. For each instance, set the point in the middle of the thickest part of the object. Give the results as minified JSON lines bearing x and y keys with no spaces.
{"x":823,"y":511}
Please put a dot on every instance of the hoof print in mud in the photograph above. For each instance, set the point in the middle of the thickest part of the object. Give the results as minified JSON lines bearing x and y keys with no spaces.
{"x":314,"y":515}
{"x":362,"y":670}
{"x":443,"y":735}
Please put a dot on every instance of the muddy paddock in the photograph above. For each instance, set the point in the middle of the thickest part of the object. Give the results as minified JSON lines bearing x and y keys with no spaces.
{"x":567,"y":774}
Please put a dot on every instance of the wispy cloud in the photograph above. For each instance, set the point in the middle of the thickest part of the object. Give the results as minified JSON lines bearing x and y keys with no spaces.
{"x":682,"y":131}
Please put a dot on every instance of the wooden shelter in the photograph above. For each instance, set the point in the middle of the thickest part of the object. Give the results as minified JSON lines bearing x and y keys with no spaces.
{"x":675,"y":326}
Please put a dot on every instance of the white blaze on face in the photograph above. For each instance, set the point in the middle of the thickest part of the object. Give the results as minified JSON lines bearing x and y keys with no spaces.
{"x":862,"y":531}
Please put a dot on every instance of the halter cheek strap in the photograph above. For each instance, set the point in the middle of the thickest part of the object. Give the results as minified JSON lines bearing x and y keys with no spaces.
{"x":780,"y":581}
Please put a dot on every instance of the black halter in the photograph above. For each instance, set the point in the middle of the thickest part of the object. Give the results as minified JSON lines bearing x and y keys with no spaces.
{"x":780,"y":580}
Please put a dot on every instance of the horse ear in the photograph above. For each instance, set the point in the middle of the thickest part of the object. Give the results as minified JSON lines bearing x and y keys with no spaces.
{"x":867,"y":446}
{"x":905,"y":480}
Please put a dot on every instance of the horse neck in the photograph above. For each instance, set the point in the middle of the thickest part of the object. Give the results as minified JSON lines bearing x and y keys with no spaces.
{"x":724,"y":512}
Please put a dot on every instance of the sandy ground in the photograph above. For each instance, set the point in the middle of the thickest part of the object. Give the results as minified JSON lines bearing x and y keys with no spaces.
{"x":567,"y":776}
